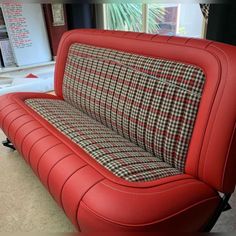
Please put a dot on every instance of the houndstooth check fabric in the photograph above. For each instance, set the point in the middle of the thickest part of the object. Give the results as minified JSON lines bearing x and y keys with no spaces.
{"x":120,"y":156}
{"x":149,"y":101}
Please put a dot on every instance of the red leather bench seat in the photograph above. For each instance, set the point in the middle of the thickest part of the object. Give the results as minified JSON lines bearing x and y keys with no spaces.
{"x":91,"y":196}
{"x":126,"y":143}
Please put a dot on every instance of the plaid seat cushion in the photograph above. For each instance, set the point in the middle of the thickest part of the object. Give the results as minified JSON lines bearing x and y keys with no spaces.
{"x":149,"y":101}
{"x":120,"y":156}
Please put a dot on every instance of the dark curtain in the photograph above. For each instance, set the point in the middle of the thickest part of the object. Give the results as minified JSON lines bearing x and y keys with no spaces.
{"x":222,"y":23}
{"x":80,"y":16}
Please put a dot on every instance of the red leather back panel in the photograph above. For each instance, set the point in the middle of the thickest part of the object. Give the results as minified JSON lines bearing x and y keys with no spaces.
{"x":211,"y":155}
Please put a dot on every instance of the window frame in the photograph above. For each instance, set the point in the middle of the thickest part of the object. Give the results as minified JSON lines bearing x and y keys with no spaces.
{"x":101,"y":18}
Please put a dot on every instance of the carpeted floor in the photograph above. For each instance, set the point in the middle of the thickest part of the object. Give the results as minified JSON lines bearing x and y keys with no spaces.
{"x":26,"y":206}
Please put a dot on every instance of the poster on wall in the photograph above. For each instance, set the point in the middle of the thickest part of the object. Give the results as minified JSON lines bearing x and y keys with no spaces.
{"x":7,"y":54}
{"x":27,"y":33}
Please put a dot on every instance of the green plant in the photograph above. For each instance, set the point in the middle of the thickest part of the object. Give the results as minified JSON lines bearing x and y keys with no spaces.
{"x":182,"y":30}
{"x":156,"y":14}
{"x":128,"y":16}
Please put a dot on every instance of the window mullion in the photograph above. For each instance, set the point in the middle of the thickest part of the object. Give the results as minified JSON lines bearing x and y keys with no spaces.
{"x":145,"y":18}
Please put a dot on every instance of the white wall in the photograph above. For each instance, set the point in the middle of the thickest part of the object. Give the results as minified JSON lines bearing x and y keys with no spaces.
{"x":190,"y":20}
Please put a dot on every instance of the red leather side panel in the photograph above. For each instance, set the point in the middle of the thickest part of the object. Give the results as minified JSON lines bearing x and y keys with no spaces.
{"x":89,"y":221}
{"x":75,"y":188}
{"x":16,"y":124}
{"x":61,"y":172}
{"x":32,"y":138}
{"x":23,"y":132}
{"x":11,"y":117}
{"x":169,"y":203}
{"x":41,"y":148}
{"x":50,"y":159}
{"x":176,"y":196}
{"x":215,"y":157}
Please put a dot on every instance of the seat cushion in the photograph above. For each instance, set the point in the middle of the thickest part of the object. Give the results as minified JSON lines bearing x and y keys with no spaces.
{"x":117,"y":154}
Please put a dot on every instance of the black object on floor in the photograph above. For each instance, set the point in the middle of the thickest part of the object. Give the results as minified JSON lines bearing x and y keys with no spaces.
{"x":8,"y":143}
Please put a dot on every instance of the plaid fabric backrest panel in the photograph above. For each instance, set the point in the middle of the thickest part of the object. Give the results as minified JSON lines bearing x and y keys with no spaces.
{"x":152,"y":102}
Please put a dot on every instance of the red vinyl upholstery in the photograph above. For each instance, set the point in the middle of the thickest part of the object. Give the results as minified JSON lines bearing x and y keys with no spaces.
{"x":92,"y":195}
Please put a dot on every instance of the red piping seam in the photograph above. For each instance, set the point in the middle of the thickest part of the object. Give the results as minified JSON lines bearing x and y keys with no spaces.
{"x":168,"y":40}
{"x":77,"y":210}
{"x":227,"y":157}
{"x":55,"y":165}
{"x":140,"y":34}
{"x":14,"y":138}
{"x":21,"y":145}
{"x":49,"y":173}
{"x":154,"y":36}
{"x":213,"y":104}
{"x":207,"y":46}
{"x":3,"y":120}
{"x":6,"y":106}
{"x":59,"y":56}
{"x":210,"y":112}
{"x":28,"y":157}
{"x":186,"y":41}
{"x":125,"y":36}
{"x":162,"y":191}
{"x":7,"y":131}
{"x":62,"y":188}
{"x":37,"y":169}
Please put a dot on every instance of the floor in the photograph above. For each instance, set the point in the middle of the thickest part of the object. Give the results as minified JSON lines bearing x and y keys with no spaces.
{"x":25,"y":205}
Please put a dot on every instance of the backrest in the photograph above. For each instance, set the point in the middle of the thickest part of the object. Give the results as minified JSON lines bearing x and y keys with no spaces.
{"x":150,"y":101}
{"x":158,"y":92}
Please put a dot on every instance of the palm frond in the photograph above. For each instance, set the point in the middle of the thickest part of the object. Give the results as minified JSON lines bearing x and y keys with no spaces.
{"x":128,"y":16}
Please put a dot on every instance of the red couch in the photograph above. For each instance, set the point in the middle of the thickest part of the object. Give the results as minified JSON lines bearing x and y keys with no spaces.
{"x":140,"y":135}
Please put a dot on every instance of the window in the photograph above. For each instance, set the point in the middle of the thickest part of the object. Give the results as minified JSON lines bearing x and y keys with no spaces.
{"x":126,"y":17}
{"x":166,"y":19}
